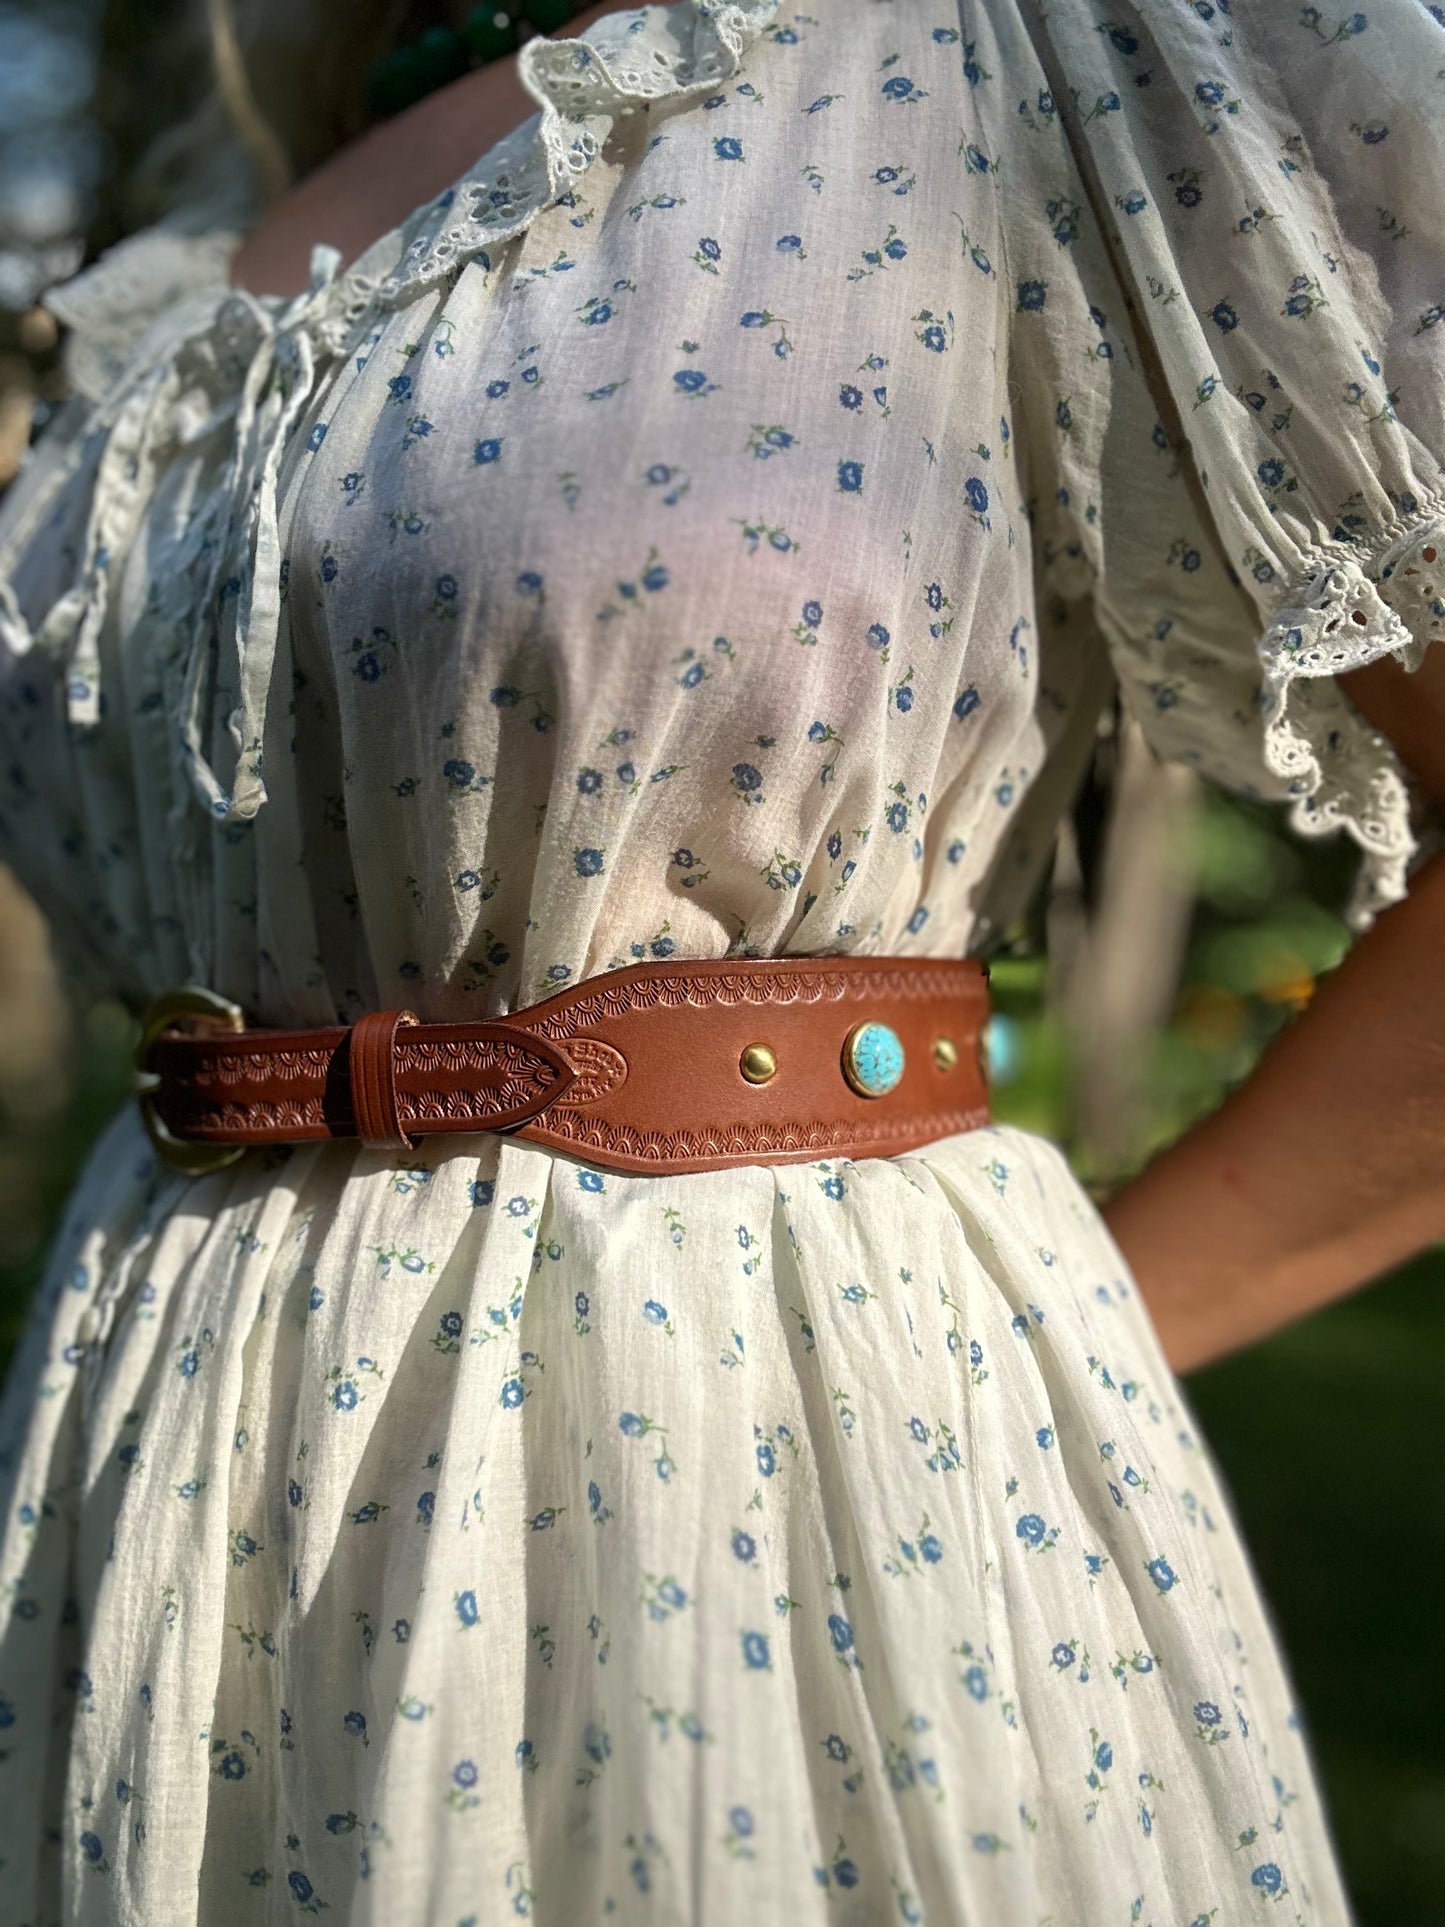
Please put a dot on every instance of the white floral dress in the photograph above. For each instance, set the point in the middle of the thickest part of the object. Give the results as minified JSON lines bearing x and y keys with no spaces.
{"x":715,"y":526}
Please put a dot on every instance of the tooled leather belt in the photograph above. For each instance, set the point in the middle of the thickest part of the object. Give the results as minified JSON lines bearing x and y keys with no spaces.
{"x":657,"y":1067}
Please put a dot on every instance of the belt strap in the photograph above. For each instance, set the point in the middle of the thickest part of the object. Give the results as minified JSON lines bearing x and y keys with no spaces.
{"x":653,"y":1068}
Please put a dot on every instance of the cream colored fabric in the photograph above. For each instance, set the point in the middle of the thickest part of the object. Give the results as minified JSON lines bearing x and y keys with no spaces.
{"x":714,"y":527}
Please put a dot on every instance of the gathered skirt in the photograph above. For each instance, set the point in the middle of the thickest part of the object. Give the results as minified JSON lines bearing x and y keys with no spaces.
{"x":498,"y":1538}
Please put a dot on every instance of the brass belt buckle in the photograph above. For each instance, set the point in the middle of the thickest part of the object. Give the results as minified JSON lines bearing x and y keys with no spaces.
{"x":193,"y":1004}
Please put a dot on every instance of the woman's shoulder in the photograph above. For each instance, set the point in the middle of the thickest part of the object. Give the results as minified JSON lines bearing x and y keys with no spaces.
{"x":378,"y":183}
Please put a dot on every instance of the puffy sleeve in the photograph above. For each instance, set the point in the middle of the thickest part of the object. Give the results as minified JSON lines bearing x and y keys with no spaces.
{"x":1269,"y":182}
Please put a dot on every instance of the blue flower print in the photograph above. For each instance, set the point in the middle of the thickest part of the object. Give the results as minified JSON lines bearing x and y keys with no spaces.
{"x":466,"y":1607}
{"x":1031,"y":296}
{"x":850,"y":477}
{"x":488,"y":451}
{"x":898,"y":87}
{"x":765,"y":318}
{"x":1031,"y":1529}
{"x":588,"y":862}
{"x":768,"y":440}
{"x":745,"y":1547}
{"x":1162,"y":1573}
{"x":1268,"y":1878}
{"x":303,"y":1893}
{"x":757,"y":1653}
{"x":977,"y":495}
{"x":590,"y":1181}
{"x":728,"y":148}
{"x":841,"y":1634}
{"x":975,"y":1681}
{"x":1224,"y":317}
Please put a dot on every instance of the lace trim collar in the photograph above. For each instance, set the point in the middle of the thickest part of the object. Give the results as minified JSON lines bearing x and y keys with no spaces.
{"x":621,"y":64}
{"x":125,"y":305}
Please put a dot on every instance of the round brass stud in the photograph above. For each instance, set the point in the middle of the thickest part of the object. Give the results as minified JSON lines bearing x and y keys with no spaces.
{"x":759,"y":1063}
{"x":945,"y":1053}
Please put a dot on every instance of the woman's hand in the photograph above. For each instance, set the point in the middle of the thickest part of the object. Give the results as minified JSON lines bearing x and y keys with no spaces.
{"x":1328,"y":1167}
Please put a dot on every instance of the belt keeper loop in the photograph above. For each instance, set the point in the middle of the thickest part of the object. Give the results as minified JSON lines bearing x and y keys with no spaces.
{"x":371,"y":1049}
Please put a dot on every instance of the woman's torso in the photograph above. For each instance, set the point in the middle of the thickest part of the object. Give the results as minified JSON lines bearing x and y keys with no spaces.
{"x":692,"y":569}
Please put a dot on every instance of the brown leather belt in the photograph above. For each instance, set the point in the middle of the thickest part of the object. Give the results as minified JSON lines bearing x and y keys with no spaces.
{"x":657,"y":1067}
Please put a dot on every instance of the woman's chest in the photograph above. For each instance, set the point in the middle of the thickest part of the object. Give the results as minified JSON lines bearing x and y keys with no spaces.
{"x":738,"y":385}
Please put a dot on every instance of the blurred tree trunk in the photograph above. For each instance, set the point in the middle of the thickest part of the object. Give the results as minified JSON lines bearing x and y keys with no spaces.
{"x":1115,"y":963}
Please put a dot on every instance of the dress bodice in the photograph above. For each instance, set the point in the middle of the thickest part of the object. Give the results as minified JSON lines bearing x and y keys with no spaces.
{"x":717,"y":523}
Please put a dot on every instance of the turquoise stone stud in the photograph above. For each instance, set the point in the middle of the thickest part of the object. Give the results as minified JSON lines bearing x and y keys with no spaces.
{"x":873,"y":1059}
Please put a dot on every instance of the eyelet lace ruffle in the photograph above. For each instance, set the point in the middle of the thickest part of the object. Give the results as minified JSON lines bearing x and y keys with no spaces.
{"x":624,"y":62}
{"x":1352,"y":610}
{"x":164,"y":350}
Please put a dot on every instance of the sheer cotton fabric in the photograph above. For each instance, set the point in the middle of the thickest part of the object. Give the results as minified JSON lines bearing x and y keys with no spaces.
{"x":713,"y":526}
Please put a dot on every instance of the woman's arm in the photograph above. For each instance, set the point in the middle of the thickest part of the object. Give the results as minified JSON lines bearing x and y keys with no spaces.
{"x":1328,"y":1167}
